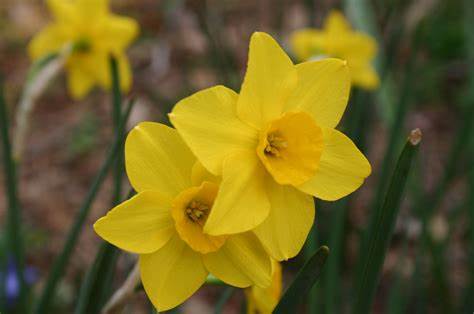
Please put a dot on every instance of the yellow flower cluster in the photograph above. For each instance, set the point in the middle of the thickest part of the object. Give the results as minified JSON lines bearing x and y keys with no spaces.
{"x":94,"y":34}
{"x":338,"y":40}
{"x":230,"y":190}
{"x":232,"y":187}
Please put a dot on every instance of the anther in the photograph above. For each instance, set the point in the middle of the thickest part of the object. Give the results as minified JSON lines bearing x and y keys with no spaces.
{"x":275,"y":144}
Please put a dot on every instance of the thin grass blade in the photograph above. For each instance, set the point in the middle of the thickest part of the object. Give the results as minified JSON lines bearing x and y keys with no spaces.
{"x":381,"y":228}
{"x":59,"y":266}
{"x":14,"y":237}
{"x":303,"y":282}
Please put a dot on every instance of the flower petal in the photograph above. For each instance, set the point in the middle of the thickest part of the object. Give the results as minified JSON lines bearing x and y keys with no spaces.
{"x":142,"y":224}
{"x":49,"y":39}
{"x":336,"y":23}
{"x":208,"y":123}
{"x":269,"y":80}
{"x":241,"y":202}
{"x":342,"y":168}
{"x":62,"y":10}
{"x":157,"y":159}
{"x":172,"y":274}
{"x":365,"y":76}
{"x":291,"y":216}
{"x":322,"y":91}
{"x":120,"y":32}
{"x":307,"y":43}
{"x":79,"y":82}
{"x":241,"y":262}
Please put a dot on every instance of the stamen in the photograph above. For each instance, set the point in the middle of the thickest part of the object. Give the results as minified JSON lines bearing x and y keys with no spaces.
{"x":276,"y":143}
{"x":196,"y":211}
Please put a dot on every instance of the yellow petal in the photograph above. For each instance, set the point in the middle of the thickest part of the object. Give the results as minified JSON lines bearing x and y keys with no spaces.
{"x":92,"y":9}
{"x":241,"y":262}
{"x":119,"y":32}
{"x":336,"y":23}
{"x":269,"y":80}
{"x":171,"y":274}
{"x":264,"y":300}
{"x":79,"y":82}
{"x":208,"y":123}
{"x":307,"y":43}
{"x":62,"y":10}
{"x":342,"y":168}
{"x":322,"y":91}
{"x":50,"y":39}
{"x":140,"y":225}
{"x":365,"y":76}
{"x":157,"y":159}
{"x":199,"y":174}
{"x":291,"y":216}
{"x":241,"y":202}
{"x":125,"y":73}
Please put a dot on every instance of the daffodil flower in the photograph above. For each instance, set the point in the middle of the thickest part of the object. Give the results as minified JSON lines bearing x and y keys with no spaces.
{"x":337,"y":39}
{"x":274,"y":145}
{"x":94,"y":34}
{"x":163,"y":223}
{"x":264,"y":300}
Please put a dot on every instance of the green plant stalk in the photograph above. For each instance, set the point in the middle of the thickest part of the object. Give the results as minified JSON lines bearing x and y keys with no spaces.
{"x":59,"y":265}
{"x":332,"y":276}
{"x":225,"y":296}
{"x":469,"y":302}
{"x":116,"y":117}
{"x":98,"y":278}
{"x":309,"y":249}
{"x":14,"y":236}
{"x":381,"y":228}
{"x":356,"y":127}
{"x":308,"y":275}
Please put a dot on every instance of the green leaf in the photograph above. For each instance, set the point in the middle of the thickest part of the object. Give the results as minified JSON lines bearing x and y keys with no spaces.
{"x":14,"y":239}
{"x":381,"y":228}
{"x":59,"y":266}
{"x":303,"y":282}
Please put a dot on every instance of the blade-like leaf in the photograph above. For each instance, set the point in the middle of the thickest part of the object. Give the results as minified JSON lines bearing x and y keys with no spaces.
{"x":59,"y":265}
{"x":303,"y":282}
{"x":381,"y":228}
{"x":14,"y":238}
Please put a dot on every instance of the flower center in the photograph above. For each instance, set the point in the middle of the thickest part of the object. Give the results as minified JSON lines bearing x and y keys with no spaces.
{"x":290,"y":148}
{"x":197,"y":211}
{"x":190,"y":211}
{"x":82,"y":45}
{"x":275,"y":143}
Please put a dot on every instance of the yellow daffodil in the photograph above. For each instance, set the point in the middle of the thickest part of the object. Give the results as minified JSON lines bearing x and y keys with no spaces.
{"x":274,"y":145}
{"x":337,"y":39}
{"x":95,"y":34}
{"x":163,"y":223}
{"x":264,"y":300}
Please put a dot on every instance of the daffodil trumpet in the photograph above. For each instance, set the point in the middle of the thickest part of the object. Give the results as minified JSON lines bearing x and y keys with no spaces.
{"x":164,"y":222}
{"x":274,"y":144}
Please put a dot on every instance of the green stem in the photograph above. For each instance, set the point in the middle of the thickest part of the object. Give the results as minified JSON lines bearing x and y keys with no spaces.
{"x":59,"y":265}
{"x":98,"y":278}
{"x":381,"y":228}
{"x":309,"y":249}
{"x":14,"y":237}
{"x":308,"y":275}
{"x":116,"y":117}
